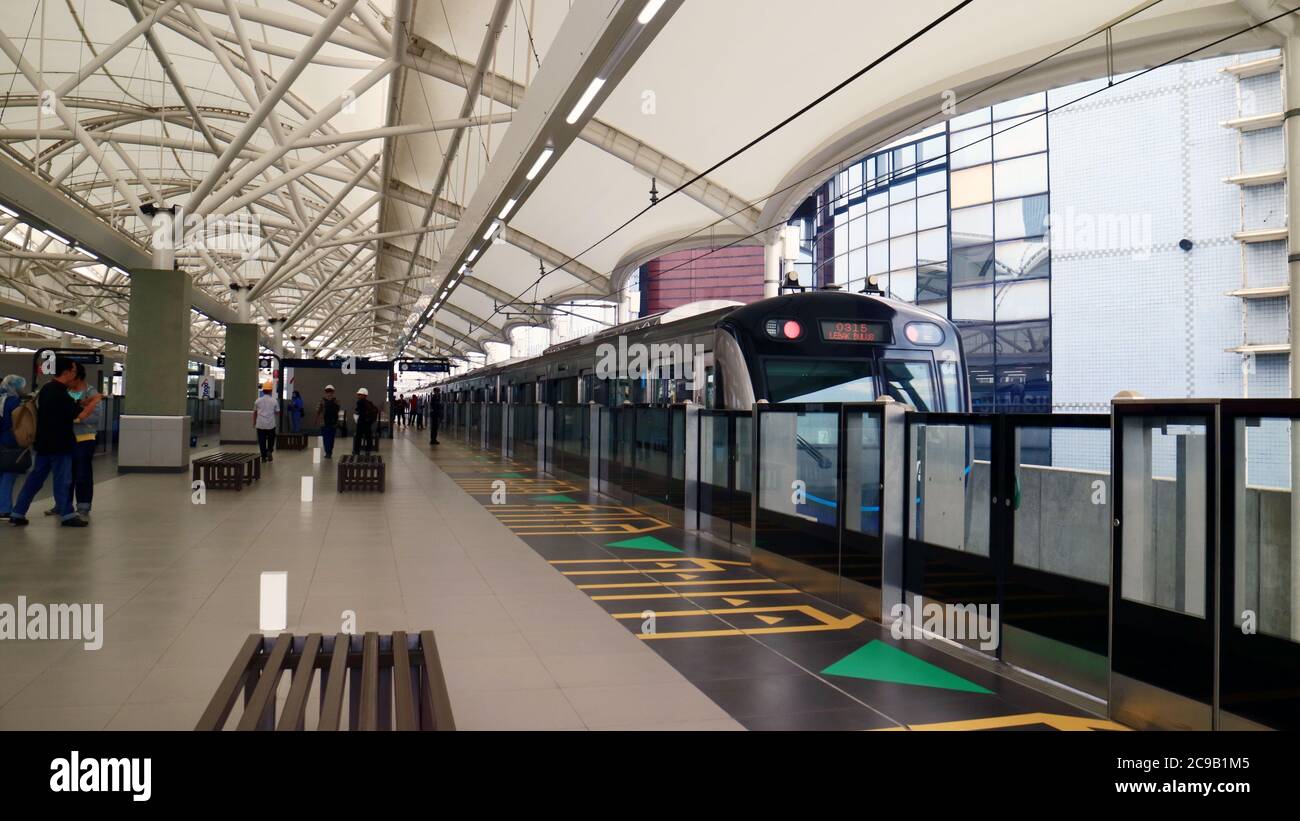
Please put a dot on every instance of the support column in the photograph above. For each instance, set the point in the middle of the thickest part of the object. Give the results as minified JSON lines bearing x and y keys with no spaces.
{"x":1291,"y":92}
{"x":155,"y":428}
{"x":241,"y":385}
{"x":772,"y":265}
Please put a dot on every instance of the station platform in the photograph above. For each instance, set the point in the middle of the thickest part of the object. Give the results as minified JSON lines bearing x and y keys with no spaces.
{"x":540,"y":606}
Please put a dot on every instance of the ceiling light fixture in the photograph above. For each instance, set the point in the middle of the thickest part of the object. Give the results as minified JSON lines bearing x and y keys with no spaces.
{"x":542,"y":160}
{"x":650,"y":10}
{"x":509,"y":206}
{"x":492,"y":229}
{"x":585,"y":100}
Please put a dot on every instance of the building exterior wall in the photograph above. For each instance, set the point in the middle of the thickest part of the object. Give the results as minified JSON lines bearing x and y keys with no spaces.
{"x":682,"y":277}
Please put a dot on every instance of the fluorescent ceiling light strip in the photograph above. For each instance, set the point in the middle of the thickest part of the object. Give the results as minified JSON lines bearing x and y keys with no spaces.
{"x":651,"y":9}
{"x":492,"y":229}
{"x":9,"y":211}
{"x":472,"y":255}
{"x":542,"y":160}
{"x":585,"y":100}
{"x":509,"y":206}
{"x":61,"y":239}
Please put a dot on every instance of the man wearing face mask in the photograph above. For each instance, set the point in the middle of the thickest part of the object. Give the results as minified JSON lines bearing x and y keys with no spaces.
{"x":86,"y":428}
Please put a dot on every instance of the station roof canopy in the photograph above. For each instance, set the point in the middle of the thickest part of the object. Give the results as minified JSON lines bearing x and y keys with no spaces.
{"x":340,"y":162}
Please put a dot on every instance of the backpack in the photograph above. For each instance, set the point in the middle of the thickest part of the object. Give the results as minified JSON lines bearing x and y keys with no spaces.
{"x":24,"y":422}
{"x":329,"y":411}
{"x":369,"y":411}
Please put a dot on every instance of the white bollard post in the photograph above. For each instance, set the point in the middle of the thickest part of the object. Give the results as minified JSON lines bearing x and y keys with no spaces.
{"x":315,"y":456}
{"x":306,"y":488}
{"x":273,"y":612}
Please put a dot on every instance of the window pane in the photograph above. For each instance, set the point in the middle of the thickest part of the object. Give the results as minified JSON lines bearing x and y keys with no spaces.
{"x":1024,"y":300}
{"x":807,"y":380}
{"x":876,"y":201}
{"x":878,"y":257}
{"x":932,"y":148}
{"x":929,"y":183}
{"x":971,"y":147}
{"x":902,"y":191}
{"x":972,"y":304}
{"x":1023,"y":258}
{"x":932,"y":211}
{"x":905,"y":160}
{"x":1022,"y":217}
{"x":858,"y":263}
{"x":932,"y":247}
{"x":975,"y":185}
{"x":878,"y":225}
{"x":902,"y":284}
{"x":858,"y":233}
{"x":1016,"y":178}
{"x":972,"y":264}
{"x":970,"y":119}
{"x":1023,"y":135}
{"x":902,"y":252}
{"x":902,"y":218}
{"x":855,"y":180}
{"x":910,"y":382}
{"x":1024,"y":105}
{"x":972,"y":226}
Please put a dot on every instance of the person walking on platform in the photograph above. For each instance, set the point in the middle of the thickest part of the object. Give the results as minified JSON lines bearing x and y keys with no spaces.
{"x":328,"y":413}
{"x":366,"y":414}
{"x":56,"y":413}
{"x":296,"y":410}
{"x":435,"y":415}
{"x":11,"y":396}
{"x":86,"y":429}
{"x":417,"y":410}
{"x":265,"y":410}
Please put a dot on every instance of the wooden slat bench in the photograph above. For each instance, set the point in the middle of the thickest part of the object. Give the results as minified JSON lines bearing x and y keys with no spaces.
{"x":390,"y":682}
{"x":361,"y":472}
{"x":291,"y":441}
{"x":228,"y":471}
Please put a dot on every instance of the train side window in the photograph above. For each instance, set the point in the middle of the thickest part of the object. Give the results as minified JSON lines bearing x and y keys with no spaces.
{"x":951,"y":380}
{"x":910,"y":382}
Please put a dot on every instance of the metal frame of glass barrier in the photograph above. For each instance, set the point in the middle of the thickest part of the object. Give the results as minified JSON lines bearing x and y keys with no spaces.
{"x":723,"y":502}
{"x":953,"y":543}
{"x":1258,"y":681}
{"x":1163,"y":547}
{"x":802,"y":534}
{"x":642,"y":458}
{"x":1055,"y":620}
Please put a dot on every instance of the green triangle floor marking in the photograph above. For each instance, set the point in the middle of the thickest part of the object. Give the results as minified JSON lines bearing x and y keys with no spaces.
{"x":559,"y":497}
{"x":879,"y":661}
{"x":646,"y":543}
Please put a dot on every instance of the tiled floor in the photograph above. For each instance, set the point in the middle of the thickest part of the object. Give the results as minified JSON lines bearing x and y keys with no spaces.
{"x":521,"y":646}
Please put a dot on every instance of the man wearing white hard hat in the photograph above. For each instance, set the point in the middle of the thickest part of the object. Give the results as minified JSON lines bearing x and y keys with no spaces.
{"x":265,"y":411}
{"x":366,"y":414}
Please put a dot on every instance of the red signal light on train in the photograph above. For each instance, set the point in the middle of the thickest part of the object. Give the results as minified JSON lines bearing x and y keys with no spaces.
{"x":791,"y":329}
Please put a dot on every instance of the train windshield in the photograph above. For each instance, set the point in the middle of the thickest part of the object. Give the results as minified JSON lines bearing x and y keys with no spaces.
{"x":910,"y":382}
{"x":808,"y":380}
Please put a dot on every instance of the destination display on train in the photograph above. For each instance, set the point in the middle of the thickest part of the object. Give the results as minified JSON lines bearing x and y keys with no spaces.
{"x":855,"y":330}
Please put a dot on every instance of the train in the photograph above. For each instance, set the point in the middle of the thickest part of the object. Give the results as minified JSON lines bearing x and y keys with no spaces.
{"x":811,"y":346}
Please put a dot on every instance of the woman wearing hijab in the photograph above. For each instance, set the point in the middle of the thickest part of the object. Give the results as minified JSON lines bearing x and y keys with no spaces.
{"x":11,"y":396}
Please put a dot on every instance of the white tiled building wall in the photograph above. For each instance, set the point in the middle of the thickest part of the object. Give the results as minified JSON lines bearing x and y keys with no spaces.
{"x":1160,"y":324}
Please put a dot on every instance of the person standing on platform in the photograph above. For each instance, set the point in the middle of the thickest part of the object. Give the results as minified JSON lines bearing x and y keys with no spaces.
{"x":56,"y":413}
{"x":86,"y":429}
{"x":417,"y":410}
{"x":435,"y":415}
{"x":296,"y":410}
{"x":365,"y":414}
{"x":265,"y":410}
{"x":11,"y":396}
{"x":328,"y":413}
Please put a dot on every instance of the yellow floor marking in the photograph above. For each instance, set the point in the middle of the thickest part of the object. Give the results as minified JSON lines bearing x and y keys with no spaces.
{"x":770,"y":619}
{"x":570,"y":519}
{"x":695,"y":564}
{"x":674,"y":584}
{"x":687,"y":576}
{"x":695,"y":594}
{"x":522,"y":487}
{"x":659,"y":562}
{"x":1053,"y":720}
{"x":827,"y":622}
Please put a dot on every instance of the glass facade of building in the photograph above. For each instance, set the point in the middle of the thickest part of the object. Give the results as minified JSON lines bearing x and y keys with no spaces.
{"x":955,"y":219}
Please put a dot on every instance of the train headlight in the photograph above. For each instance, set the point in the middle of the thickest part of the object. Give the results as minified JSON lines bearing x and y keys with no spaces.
{"x":783,"y":329}
{"x":923,"y":333}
